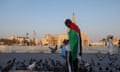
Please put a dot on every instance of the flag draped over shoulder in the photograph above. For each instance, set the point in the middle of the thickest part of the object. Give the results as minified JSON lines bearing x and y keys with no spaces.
{"x":75,"y":41}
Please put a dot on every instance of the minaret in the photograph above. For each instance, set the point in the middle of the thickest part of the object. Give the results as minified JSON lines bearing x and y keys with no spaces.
{"x":73,"y":18}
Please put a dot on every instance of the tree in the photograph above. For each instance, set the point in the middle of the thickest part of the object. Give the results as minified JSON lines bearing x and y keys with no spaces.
{"x":105,"y":41}
{"x":27,"y":34}
{"x":109,"y":36}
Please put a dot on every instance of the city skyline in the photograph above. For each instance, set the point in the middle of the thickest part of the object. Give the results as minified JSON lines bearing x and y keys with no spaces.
{"x":97,"y":18}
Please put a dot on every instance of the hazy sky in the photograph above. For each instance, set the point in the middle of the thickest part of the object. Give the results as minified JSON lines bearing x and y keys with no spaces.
{"x":97,"y":18}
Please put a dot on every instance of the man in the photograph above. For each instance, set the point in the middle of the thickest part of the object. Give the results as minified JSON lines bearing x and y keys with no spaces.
{"x":113,"y":49}
{"x":110,"y":45}
{"x":75,"y":43}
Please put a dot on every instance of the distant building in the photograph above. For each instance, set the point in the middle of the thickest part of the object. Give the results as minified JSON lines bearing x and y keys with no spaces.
{"x":24,"y":40}
{"x":102,"y":43}
{"x":99,"y":43}
{"x":57,"y":39}
{"x":115,"y":41}
{"x":54,"y":39}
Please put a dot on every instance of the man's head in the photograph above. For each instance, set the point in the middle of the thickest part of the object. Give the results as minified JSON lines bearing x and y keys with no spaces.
{"x":68,"y":22}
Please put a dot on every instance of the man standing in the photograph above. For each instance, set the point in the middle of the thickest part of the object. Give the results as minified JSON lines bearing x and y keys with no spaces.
{"x":75,"y":43}
{"x":110,"y":46}
{"x":113,"y":49}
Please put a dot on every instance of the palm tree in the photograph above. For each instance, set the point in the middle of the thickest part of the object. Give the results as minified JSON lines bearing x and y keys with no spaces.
{"x":105,"y":41}
{"x":27,"y":34}
{"x":109,"y":36}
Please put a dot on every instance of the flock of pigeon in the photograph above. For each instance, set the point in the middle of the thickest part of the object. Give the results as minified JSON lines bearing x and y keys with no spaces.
{"x":104,"y":63}
{"x":33,"y":65}
{"x":53,"y":65}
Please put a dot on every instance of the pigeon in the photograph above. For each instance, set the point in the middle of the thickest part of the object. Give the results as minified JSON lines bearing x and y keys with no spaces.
{"x":31,"y":66}
{"x":9,"y":66}
{"x":53,"y":50}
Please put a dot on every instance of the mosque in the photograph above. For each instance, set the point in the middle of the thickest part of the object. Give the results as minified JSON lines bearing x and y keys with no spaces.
{"x":57,"y":39}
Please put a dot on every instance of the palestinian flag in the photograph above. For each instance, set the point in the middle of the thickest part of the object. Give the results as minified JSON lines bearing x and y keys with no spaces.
{"x":75,"y":41}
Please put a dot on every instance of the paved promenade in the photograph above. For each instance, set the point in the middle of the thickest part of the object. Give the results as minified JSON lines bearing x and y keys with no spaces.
{"x":95,"y":59}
